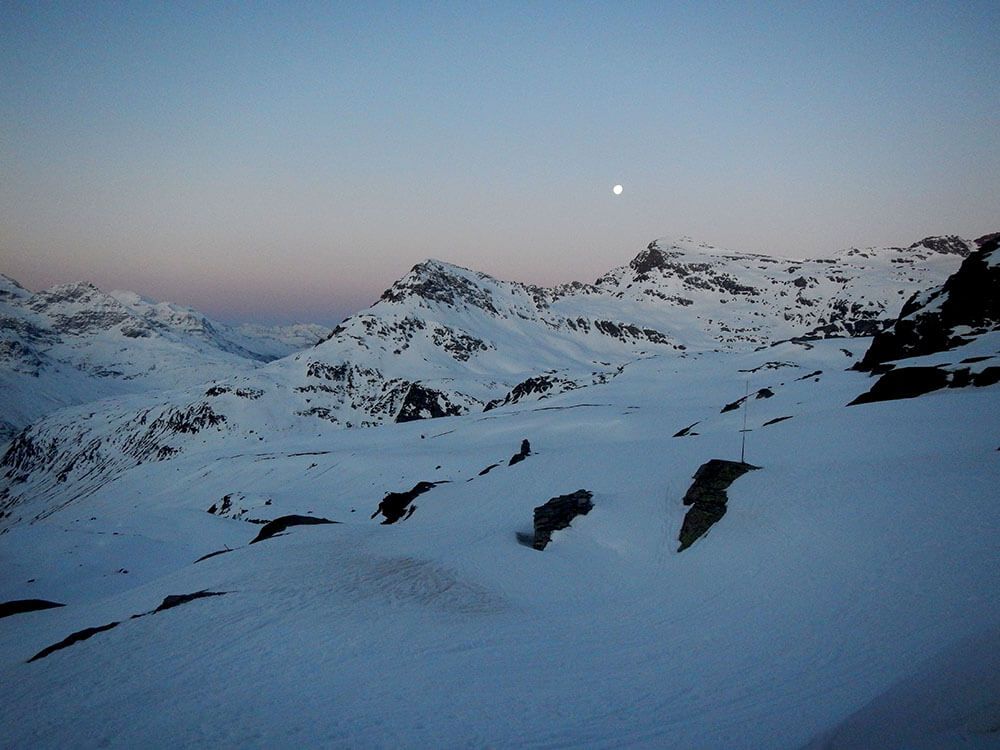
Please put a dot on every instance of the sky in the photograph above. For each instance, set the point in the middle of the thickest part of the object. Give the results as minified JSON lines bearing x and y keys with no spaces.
{"x":283,"y":162}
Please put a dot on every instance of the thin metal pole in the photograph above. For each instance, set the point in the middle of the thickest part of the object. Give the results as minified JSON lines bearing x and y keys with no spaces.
{"x":743,"y":446}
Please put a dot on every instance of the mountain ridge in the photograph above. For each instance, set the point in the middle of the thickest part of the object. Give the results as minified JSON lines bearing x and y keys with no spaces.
{"x":441,"y":323}
{"x":73,"y":343}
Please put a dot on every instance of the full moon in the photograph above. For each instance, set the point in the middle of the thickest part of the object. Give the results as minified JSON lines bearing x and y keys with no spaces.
{"x":617,"y":190}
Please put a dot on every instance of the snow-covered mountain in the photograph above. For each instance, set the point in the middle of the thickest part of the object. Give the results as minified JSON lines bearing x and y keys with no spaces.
{"x":73,"y":343}
{"x":227,"y":565}
{"x":444,"y":341}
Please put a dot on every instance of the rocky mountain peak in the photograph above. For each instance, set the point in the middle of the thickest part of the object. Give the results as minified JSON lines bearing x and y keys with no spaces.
{"x":648,"y":259}
{"x":658,"y":253}
{"x":948,"y":244}
{"x":78,"y":291}
{"x":11,"y":289}
{"x":434,"y":281}
{"x":79,"y":308}
{"x":988,"y":243}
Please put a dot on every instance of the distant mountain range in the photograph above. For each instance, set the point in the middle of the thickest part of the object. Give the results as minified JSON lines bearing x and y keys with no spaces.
{"x":73,"y":343}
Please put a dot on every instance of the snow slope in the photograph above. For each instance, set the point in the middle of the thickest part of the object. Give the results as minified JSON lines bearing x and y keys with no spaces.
{"x":867,"y":542}
{"x":950,"y":700}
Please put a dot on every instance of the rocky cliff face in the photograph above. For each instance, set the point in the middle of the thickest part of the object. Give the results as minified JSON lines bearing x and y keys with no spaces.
{"x":966,"y":305}
{"x":959,"y":321}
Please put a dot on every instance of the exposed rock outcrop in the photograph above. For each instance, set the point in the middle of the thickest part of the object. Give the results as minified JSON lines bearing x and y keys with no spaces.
{"x":910,"y":382}
{"x":394,"y":505}
{"x":169,"y":602}
{"x":557,"y":514}
{"x":905,"y":382}
{"x":80,"y":635}
{"x":426,"y":403}
{"x":537,"y":387}
{"x":19,"y":606}
{"x":281,"y":523}
{"x":707,"y":497}
{"x":176,"y":600}
{"x":733,"y":405}
{"x":214,"y":554}
{"x":776,"y":420}
{"x":686,"y":431}
{"x":966,"y":304}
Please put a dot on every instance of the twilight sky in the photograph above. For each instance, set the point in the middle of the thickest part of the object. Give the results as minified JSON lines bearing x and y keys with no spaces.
{"x":288,"y":161}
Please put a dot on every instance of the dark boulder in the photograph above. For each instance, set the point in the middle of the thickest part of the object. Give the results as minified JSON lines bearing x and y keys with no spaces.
{"x":707,"y":497}
{"x":394,"y":505}
{"x":557,"y":514}
{"x":522,"y":454}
